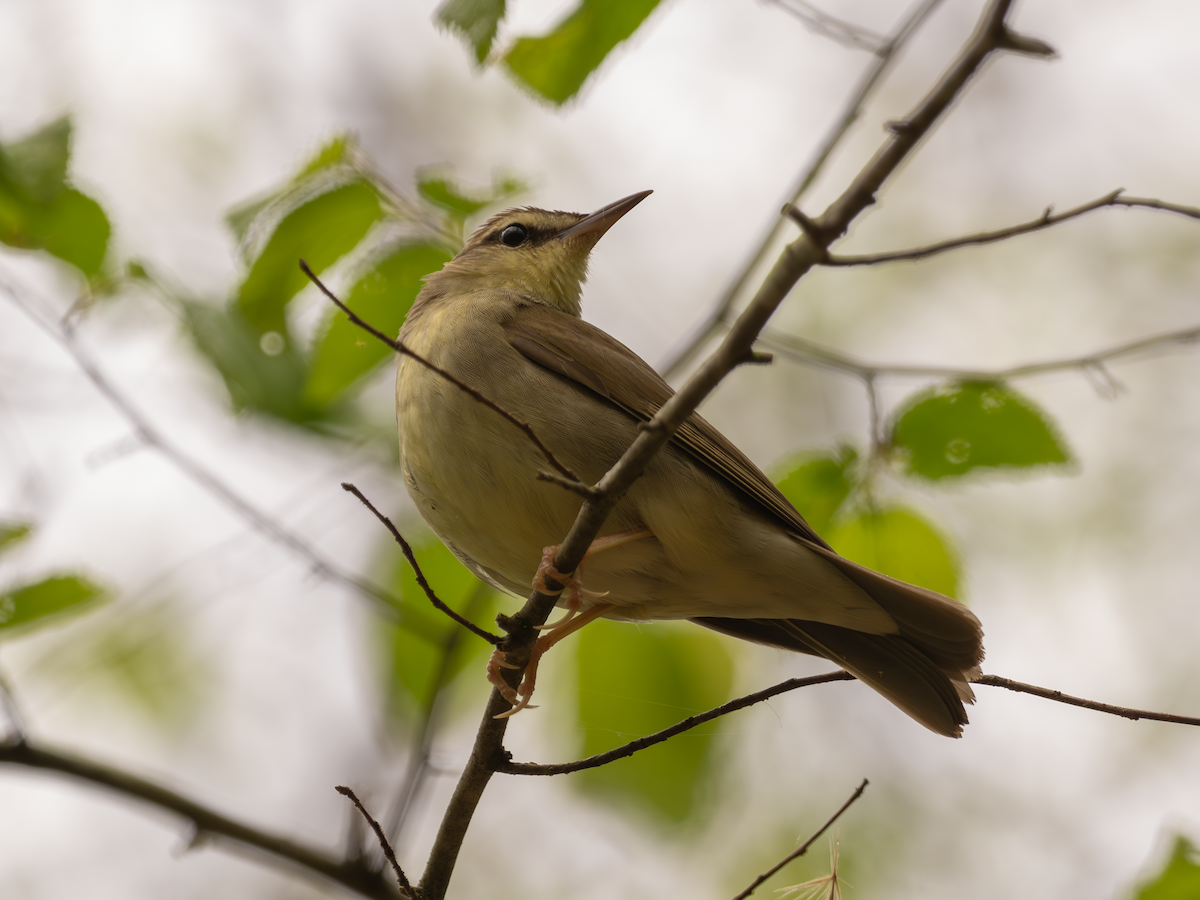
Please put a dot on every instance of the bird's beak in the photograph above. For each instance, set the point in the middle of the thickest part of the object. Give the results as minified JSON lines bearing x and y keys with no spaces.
{"x":604,"y":218}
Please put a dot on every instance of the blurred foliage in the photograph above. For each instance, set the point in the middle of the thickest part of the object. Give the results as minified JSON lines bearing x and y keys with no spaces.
{"x":39,"y":210}
{"x":46,"y":600}
{"x":948,"y":431}
{"x":634,"y":681}
{"x":336,"y":208}
{"x":425,"y":650}
{"x":144,"y":659}
{"x":818,"y":484}
{"x":1180,"y":877}
{"x":900,"y":543}
{"x":556,"y":65}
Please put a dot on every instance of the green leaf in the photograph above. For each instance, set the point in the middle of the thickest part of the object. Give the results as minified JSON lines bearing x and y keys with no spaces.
{"x":37,"y":164}
{"x":556,"y":65}
{"x":39,"y":211}
{"x":635,"y":681}
{"x":320,"y":231}
{"x":13,"y":533}
{"x":1179,"y":879}
{"x":818,"y":484}
{"x":45,"y":599}
{"x":442,"y":191}
{"x":415,"y":649}
{"x":476,"y":21}
{"x":74,"y":228}
{"x":339,"y":151}
{"x":948,"y":431}
{"x":382,"y":297}
{"x":271,"y":383}
{"x":900,"y":543}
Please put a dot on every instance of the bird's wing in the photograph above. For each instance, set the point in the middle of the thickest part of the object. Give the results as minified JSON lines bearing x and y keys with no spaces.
{"x":593,"y":359}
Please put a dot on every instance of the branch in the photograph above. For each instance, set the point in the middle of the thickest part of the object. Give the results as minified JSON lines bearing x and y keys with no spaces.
{"x":1060,"y":697}
{"x":803,"y":848}
{"x":260,"y":521}
{"x":603,"y":759}
{"x":388,"y":852}
{"x":845,"y":33}
{"x":412,"y":561}
{"x":280,"y":851}
{"x":870,"y":80}
{"x":810,"y":353}
{"x":461,"y":385}
{"x":419,"y":764}
{"x":1046,"y":220}
{"x":796,"y":260}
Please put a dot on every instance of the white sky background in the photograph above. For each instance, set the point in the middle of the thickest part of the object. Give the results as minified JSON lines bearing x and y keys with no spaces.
{"x":1084,"y":582}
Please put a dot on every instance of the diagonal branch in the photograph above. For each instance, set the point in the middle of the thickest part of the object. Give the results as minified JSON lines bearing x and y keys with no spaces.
{"x":388,"y":853}
{"x":1045,"y":220}
{"x":845,"y":33}
{"x":603,"y":759}
{"x":437,"y":601}
{"x":803,"y":848}
{"x":284,"y":853}
{"x":870,"y":80}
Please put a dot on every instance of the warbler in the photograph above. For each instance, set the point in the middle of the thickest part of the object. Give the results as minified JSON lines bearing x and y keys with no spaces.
{"x":702,"y":535}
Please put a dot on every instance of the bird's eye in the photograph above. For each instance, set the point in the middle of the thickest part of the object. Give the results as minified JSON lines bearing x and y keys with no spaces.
{"x":514,"y":235}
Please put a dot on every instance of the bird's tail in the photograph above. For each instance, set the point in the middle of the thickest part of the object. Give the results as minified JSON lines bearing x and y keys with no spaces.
{"x":925,"y":669}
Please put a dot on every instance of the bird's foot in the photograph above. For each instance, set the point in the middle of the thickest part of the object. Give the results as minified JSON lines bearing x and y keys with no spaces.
{"x":574,"y":586}
{"x":519,"y":697}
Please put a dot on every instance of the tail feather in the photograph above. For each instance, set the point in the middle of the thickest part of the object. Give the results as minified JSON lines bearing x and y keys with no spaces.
{"x":891,"y":664}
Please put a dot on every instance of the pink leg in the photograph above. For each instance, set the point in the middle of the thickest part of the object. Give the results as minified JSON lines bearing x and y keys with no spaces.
{"x":567,"y":625}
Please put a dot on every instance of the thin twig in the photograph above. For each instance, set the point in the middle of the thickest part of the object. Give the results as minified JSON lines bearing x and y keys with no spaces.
{"x":419,"y":763}
{"x":845,"y":33}
{"x":12,"y":711}
{"x":1047,"y":219}
{"x":400,"y":348}
{"x":814,"y":354}
{"x":412,"y":561}
{"x":207,"y":824}
{"x":870,"y":80}
{"x":388,"y":852}
{"x":1059,"y":697}
{"x":803,"y":848}
{"x":603,"y":759}
{"x":260,"y":521}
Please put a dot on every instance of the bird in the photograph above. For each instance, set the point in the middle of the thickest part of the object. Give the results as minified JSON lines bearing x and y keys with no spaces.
{"x":702,"y":535}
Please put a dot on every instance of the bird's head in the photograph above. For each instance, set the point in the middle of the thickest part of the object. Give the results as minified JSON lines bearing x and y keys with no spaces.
{"x":540,"y":253}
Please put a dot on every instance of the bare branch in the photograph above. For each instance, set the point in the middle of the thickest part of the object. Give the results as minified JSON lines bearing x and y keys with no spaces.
{"x":813,"y":354}
{"x":850,"y":113}
{"x":144,"y":431}
{"x":412,"y":561}
{"x":1059,"y":697}
{"x":796,"y":260}
{"x":284,"y":853}
{"x":845,"y":33}
{"x":12,"y":711}
{"x":803,"y":848}
{"x":603,"y":759}
{"x":420,"y":765}
{"x":1046,"y":220}
{"x":388,"y":852}
{"x":461,"y":385}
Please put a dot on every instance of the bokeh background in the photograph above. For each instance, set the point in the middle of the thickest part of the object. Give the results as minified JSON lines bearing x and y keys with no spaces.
{"x":224,"y":667}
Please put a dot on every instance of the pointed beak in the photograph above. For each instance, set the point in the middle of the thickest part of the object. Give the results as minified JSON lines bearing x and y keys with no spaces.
{"x":604,"y":218}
